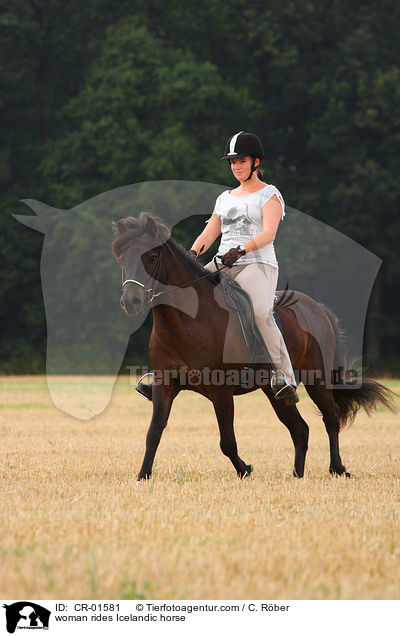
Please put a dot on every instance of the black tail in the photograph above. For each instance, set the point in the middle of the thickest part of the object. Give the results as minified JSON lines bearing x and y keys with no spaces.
{"x":347,"y":399}
{"x":367,"y":396}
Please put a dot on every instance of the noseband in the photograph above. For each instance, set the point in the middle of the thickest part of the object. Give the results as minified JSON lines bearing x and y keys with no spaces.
{"x":149,"y":292}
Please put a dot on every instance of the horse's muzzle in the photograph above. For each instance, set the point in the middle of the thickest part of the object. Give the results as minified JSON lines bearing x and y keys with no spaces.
{"x":133,"y":307}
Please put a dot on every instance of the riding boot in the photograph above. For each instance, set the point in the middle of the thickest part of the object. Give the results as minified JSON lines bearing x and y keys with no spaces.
{"x":282,"y":390}
{"x":145,"y":389}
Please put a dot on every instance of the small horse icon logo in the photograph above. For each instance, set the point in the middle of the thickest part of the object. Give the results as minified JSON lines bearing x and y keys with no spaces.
{"x":26,"y":615}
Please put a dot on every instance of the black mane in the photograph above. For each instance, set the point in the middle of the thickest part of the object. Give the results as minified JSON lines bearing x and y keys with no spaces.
{"x":195,"y":266}
{"x":135,"y":231}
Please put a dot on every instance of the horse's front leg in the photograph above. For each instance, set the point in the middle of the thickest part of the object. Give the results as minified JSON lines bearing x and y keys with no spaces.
{"x":163,"y":396}
{"x":224,"y":410}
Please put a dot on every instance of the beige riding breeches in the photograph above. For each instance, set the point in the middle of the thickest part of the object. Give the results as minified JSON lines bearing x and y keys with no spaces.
{"x":259,"y":280}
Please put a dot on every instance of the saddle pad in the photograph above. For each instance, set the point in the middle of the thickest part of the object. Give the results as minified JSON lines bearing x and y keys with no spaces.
{"x":238,"y":299}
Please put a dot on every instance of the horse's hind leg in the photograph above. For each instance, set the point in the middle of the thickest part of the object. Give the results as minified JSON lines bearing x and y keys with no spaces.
{"x":323,"y":398}
{"x":163,"y":396}
{"x":298,"y":429}
{"x":224,"y":410}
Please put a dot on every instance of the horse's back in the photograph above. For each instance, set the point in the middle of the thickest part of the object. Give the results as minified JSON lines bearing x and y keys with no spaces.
{"x":307,"y":330}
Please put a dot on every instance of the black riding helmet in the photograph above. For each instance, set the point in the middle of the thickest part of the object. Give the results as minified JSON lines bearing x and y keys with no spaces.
{"x":244,"y":144}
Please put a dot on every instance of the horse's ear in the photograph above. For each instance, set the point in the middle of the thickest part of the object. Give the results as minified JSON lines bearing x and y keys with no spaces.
{"x":151,"y":227}
{"x":118,"y":227}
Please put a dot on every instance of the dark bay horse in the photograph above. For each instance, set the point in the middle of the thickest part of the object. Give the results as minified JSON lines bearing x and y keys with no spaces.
{"x":190,"y":335}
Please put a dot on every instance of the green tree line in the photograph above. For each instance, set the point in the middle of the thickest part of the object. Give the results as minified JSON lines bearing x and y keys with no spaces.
{"x":102,"y":94}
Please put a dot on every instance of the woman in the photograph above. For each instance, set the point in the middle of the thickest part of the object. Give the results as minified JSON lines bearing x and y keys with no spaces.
{"x":248,"y":218}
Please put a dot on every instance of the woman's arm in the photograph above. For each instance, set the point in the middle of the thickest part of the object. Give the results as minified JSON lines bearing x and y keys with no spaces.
{"x":272,"y":214}
{"x":208,"y":235}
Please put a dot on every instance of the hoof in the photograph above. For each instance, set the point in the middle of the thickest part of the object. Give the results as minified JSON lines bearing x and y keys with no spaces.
{"x":296,"y":474}
{"x":246,"y":473}
{"x":141,"y":478}
{"x":341,"y":473}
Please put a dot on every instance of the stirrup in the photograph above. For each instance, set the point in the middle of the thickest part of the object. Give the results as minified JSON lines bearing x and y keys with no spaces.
{"x":145,"y":389}
{"x":282,"y":389}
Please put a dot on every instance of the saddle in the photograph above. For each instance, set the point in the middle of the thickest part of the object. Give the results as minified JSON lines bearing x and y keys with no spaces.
{"x":238,"y":299}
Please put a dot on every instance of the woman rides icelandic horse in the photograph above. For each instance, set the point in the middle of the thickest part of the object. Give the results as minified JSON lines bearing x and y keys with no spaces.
{"x":188,"y":305}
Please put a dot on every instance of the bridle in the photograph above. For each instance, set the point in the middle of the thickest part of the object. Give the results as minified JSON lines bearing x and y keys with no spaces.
{"x":149,"y":292}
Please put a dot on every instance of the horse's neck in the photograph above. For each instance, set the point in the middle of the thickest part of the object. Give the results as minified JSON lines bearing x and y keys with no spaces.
{"x":179,"y":268}
{"x":183,"y":301}
{"x":193,"y":323}
{"x":192,"y":301}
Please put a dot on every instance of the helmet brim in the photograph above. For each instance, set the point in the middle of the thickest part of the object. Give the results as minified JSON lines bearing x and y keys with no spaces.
{"x":240,"y":157}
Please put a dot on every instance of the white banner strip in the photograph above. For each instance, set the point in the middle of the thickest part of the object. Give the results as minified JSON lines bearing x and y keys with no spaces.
{"x":311,"y":618}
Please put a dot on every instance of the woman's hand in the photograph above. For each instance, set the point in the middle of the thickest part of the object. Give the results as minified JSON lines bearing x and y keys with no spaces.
{"x":192,"y":254}
{"x":230,"y":257}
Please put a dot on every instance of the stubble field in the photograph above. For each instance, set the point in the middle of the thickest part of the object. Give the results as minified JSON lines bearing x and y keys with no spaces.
{"x":75,"y":524}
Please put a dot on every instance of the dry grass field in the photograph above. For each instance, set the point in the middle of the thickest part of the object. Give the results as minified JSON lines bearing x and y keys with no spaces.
{"x":75,"y":524}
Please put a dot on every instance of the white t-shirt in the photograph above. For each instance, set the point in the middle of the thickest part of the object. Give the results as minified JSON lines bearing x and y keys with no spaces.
{"x":241,"y":220}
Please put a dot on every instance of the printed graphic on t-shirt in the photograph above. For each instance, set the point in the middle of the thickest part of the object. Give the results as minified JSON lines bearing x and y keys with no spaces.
{"x":238,"y":220}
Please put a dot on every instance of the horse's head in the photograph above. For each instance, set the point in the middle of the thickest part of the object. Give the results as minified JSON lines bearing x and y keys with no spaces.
{"x":137,"y":246}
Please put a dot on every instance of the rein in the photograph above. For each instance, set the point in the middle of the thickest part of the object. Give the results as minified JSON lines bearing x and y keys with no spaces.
{"x":150,"y":293}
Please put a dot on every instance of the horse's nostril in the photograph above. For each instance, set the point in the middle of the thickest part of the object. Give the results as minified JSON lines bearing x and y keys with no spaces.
{"x":131,"y":306}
